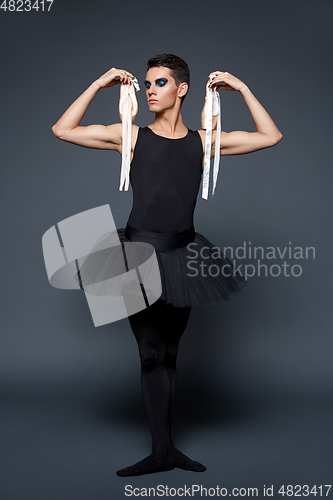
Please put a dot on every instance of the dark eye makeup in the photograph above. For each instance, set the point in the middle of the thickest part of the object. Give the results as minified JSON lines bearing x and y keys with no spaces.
{"x":160,"y":82}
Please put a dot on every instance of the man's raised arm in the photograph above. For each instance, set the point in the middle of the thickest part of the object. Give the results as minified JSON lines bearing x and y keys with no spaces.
{"x":241,"y":142}
{"x":68,"y":126}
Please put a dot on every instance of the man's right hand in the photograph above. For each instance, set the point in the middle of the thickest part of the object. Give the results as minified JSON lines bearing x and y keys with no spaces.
{"x":114,"y":76}
{"x":68,"y":127}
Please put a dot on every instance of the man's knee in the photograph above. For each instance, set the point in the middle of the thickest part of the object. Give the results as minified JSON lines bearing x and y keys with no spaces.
{"x":151,"y":357}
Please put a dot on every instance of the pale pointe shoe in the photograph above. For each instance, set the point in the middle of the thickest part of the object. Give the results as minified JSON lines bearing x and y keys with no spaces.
{"x":210,"y":118}
{"x":129,"y":89}
{"x":215,"y":108}
{"x":128,"y":108}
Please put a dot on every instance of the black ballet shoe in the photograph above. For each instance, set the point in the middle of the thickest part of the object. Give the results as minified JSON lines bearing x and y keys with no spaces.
{"x":149,"y":465}
{"x":185,"y":463}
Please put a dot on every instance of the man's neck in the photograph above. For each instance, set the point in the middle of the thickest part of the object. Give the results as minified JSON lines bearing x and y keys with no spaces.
{"x":169,"y":124}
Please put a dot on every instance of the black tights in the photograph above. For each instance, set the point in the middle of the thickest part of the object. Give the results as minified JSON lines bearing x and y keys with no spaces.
{"x":158,"y":330}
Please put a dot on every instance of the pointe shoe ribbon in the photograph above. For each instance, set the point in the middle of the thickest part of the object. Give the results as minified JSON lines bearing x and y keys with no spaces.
{"x":128,"y":108}
{"x":211,"y":108}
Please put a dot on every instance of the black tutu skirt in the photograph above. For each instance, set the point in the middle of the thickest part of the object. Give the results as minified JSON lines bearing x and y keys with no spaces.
{"x":196,"y":274}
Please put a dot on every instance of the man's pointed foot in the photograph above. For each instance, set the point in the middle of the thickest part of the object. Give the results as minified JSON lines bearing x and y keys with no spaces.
{"x":185,"y":463}
{"x":149,"y":465}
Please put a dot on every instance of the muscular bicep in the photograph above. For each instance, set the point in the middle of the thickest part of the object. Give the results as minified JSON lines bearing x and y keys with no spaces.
{"x":93,"y":136}
{"x":239,"y":142}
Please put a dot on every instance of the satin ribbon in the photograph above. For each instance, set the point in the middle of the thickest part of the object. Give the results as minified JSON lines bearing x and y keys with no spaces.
{"x":127,"y":109}
{"x":212,"y":108}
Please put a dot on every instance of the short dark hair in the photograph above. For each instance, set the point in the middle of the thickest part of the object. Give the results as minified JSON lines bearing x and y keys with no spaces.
{"x":179,"y":69}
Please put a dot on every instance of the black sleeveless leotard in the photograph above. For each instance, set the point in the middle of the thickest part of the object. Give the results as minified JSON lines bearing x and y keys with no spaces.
{"x":165,"y":177}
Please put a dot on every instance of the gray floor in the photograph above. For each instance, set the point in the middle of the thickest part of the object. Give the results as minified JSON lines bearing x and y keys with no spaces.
{"x":67,"y":443}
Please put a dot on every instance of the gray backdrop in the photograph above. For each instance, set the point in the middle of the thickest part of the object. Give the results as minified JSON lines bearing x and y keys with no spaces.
{"x":255,"y":374}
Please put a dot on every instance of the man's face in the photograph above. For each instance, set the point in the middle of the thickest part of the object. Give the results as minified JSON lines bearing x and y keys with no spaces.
{"x":161,"y":89}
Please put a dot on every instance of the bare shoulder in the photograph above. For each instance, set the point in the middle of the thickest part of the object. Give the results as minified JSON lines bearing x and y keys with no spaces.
{"x":202,"y":134}
{"x":135,"y":132}
{"x":116,"y":131}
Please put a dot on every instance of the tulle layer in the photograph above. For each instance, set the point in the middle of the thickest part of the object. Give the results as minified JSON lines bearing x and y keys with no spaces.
{"x":198,"y":274}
